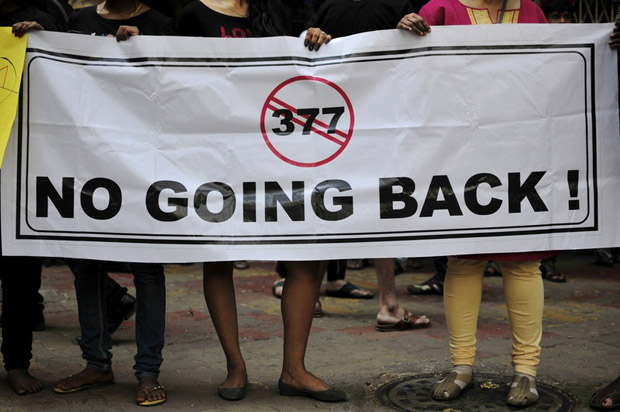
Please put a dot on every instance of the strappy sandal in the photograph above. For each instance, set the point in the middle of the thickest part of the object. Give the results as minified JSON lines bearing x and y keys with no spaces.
{"x":611,"y":391}
{"x":431,"y":286}
{"x":551,"y":274}
{"x":82,"y":382}
{"x":407,"y":322}
{"x":147,"y":392}
{"x":274,"y":288}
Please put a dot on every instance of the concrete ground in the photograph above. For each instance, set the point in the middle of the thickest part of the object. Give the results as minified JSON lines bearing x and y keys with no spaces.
{"x":581,"y":349}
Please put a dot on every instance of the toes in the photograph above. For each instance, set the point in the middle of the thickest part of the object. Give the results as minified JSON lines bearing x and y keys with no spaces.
{"x":141,"y":396}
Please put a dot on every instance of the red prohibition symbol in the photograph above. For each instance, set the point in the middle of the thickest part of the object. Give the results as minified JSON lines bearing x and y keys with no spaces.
{"x":304,"y":134}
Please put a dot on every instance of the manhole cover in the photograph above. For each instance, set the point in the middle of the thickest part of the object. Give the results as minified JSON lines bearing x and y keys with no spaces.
{"x":412,"y":394}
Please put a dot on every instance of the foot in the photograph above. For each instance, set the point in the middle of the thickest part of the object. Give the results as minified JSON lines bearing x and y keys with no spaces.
{"x":85,"y":379}
{"x":432,"y":286}
{"x":150,"y":392}
{"x":343,"y":289}
{"x":604,"y":258}
{"x":550,"y":273}
{"x":235,"y":386}
{"x":318,"y":309}
{"x":304,"y":381}
{"x":236,"y":378}
{"x":329,"y":395}
{"x":22,"y":382}
{"x":393,"y":315}
{"x":608,"y":398}
{"x":399,"y":319}
{"x":241,"y":264}
{"x":522,"y":391}
{"x":277,"y":288}
{"x":450,"y":387}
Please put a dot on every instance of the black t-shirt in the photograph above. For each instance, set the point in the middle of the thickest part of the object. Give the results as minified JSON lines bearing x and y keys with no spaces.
{"x":150,"y":23}
{"x":198,"y":20}
{"x":30,"y":13}
{"x":345,"y":17}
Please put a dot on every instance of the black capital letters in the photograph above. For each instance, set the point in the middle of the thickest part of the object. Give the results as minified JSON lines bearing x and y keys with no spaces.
{"x":294,"y":207}
{"x":517,"y":192}
{"x":387,"y":197}
{"x":114,"y":195}
{"x":202,"y":208}
{"x":45,"y":190}
{"x":345,"y":202}
{"x":471,"y":189}
{"x":249,"y":201}
{"x":440,"y":184}
{"x":179,"y":203}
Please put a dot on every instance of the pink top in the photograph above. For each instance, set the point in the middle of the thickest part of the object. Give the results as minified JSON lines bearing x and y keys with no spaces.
{"x":453,"y":12}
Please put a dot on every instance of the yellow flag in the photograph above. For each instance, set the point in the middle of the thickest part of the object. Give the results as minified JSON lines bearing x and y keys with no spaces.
{"x":12,"y":55}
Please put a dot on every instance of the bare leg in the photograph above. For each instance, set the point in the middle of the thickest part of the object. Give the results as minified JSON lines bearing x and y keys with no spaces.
{"x":298,"y":300}
{"x":389,"y":310}
{"x":219,"y":293}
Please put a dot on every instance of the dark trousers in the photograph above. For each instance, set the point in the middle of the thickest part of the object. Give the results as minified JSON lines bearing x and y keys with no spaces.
{"x":21,"y":307}
{"x":91,"y":289}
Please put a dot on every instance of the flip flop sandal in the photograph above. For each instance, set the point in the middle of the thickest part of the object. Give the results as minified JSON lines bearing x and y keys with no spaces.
{"x":146,"y":402}
{"x":346,"y":291}
{"x":611,"y":391}
{"x":430,"y":287}
{"x":549,"y":273}
{"x":278,"y":284}
{"x":408,"y":322}
{"x":83,"y":386}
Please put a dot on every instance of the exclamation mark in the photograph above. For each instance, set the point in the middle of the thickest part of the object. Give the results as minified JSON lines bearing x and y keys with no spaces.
{"x":573,"y":189}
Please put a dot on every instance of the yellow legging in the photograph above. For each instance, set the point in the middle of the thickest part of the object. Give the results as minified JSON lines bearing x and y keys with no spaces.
{"x":524,"y":296}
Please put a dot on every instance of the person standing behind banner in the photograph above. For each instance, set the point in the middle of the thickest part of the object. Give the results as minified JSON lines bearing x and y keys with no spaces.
{"x":608,"y":398}
{"x":21,"y":275}
{"x":523,"y":286}
{"x":259,"y":18}
{"x":122,"y":19}
{"x":344,"y":18}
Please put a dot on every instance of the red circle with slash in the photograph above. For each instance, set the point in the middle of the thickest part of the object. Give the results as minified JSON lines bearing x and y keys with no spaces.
{"x":303,"y":136}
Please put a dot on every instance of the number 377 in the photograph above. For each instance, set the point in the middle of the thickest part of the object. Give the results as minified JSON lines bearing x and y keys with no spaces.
{"x":287,"y":125}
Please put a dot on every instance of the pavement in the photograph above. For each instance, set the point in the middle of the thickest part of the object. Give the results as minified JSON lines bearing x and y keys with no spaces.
{"x":581,"y":350}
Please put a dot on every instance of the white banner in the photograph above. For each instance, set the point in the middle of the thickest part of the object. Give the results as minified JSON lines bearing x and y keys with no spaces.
{"x":499,"y":138}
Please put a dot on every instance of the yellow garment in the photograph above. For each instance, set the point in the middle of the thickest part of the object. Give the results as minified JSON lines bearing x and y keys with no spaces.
{"x":12,"y":55}
{"x":524,"y":297}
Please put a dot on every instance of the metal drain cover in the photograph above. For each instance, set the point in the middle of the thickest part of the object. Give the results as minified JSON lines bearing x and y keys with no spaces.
{"x":488,"y":393}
